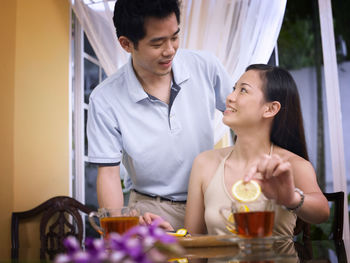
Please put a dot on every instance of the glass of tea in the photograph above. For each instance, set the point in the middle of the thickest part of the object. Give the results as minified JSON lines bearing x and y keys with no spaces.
{"x":117,"y":220}
{"x":250,"y":219}
{"x":252,"y":222}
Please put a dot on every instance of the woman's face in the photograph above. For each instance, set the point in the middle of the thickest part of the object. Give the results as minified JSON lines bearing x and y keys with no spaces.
{"x":245,"y":105}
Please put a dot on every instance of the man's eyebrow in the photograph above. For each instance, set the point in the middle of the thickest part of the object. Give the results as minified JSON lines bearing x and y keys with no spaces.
{"x":162,"y":38}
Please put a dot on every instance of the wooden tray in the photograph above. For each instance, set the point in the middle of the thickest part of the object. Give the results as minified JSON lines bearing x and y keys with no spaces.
{"x":205,"y":241}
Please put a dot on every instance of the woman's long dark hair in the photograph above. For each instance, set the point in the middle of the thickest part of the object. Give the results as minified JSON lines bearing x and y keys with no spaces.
{"x":287,"y":129}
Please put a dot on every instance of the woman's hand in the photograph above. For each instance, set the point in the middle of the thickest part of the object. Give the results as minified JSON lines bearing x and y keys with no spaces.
{"x":275,"y":177}
{"x":148,"y":218}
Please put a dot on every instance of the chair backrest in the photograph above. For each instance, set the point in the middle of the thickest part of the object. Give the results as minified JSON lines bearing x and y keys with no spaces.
{"x":338,"y":219}
{"x":60,"y":218}
{"x":338,"y":216}
{"x":304,"y":228}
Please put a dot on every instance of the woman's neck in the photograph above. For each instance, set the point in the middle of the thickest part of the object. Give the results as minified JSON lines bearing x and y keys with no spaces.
{"x":249,"y":149}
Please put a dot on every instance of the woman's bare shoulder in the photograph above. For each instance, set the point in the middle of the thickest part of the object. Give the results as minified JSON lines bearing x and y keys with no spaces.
{"x":206,"y":164}
{"x":293,"y":158}
{"x":209,"y":160}
{"x":213,"y":156}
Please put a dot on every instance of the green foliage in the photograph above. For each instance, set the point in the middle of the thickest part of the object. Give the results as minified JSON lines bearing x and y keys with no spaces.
{"x":341,"y":22}
{"x":296,"y":45}
{"x":324,"y":230}
{"x":296,"y":42}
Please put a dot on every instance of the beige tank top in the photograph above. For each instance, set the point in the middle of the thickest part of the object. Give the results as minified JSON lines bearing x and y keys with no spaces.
{"x":217,"y":196}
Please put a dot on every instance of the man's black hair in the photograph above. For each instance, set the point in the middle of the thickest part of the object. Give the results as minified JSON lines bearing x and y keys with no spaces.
{"x":130,"y":15}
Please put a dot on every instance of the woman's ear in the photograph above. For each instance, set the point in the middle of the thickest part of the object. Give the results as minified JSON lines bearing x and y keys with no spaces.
{"x":272,"y":108}
{"x":126,"y":44}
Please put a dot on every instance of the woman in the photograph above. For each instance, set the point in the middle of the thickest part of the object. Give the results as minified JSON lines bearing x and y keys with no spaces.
{"x":264,"y":112}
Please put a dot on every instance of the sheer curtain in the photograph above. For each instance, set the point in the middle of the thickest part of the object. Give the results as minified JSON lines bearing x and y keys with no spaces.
{"x":238,"y":32}
{"x":96,"y":20}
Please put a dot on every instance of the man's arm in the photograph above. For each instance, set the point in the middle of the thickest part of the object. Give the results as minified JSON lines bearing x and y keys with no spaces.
{"x":194,"y":218}
{"x":109,"y":189}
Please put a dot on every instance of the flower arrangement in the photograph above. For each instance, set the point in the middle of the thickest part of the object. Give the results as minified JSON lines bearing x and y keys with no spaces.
{"x":144,"y":244}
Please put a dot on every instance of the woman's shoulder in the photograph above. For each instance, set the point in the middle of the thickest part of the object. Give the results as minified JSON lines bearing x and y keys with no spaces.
{"x":294,"y":159}
{"x":208,"y":161}
{"x":213,"y":156}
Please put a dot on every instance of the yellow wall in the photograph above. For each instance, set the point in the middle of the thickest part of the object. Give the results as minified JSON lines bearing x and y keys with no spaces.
{"x":34,"y":132}
{"x":7,"y":76}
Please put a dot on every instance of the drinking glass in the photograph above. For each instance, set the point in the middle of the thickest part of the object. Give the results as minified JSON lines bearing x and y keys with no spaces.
{"x":117,"y":220}
{"x":252,"y":222}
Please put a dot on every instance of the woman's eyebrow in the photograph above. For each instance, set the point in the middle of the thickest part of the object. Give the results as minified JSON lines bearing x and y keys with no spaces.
{"x":244,"y":83}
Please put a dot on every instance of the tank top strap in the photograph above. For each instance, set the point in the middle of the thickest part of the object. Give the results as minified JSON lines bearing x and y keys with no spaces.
{"x":271,"y":149}
{"x":219,"y":170}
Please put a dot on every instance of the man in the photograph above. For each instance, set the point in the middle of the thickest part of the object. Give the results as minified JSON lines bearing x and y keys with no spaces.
{"x":156,"y":113}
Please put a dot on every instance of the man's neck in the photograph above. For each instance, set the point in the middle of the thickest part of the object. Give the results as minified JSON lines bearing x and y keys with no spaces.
{"x":157,"y":86}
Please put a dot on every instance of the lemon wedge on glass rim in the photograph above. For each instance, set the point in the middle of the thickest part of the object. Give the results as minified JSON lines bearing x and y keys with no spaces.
{"x":231,"y":219}
{"x":246,"y":192}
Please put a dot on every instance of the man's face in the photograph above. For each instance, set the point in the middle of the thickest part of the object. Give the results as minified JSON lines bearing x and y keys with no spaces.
{"x":154,"y":53}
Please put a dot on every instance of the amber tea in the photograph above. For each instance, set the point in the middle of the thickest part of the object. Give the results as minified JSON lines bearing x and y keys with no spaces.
{"x":117,"y":220}
{"x":118,"y":224}
{"x":254,"y":224}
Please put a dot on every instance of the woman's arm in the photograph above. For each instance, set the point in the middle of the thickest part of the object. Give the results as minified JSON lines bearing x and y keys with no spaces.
{"x":315,"y":208}
{"x":194,"y":219}
{"x":278,"y":179}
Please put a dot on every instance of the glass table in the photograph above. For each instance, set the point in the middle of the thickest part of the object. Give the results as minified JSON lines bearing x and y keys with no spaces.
{"x":282,"y":251}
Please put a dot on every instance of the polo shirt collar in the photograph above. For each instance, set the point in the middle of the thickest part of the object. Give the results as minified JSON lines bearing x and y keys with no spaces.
{"x":180,"y":73}
{"x":135,"y":88}
{"x":180,"y":69}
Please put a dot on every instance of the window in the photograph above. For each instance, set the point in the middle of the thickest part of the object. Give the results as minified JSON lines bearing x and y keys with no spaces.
{"x":88,"y":73}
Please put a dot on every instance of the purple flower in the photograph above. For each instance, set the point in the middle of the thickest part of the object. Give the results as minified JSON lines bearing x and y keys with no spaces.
{"x":81,"y":257}
{"x":62,"y":258}
{"x":96,"y":249}
{"x":71,"y":244}
{"x":141,"y":244}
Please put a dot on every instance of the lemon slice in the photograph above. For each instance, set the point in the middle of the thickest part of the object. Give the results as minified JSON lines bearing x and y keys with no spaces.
{"x":179,"y":260}
{"x":179,"y":233}
{"x":246,"y":192}
{"x":231,"y":220}
{"x":243,"y":208}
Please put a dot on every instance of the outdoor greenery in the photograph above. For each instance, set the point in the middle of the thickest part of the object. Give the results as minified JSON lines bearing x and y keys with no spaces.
{"x":296,"y":42}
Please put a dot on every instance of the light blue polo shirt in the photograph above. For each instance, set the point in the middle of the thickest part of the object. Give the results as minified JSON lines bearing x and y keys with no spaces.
{"x":158,"y":144}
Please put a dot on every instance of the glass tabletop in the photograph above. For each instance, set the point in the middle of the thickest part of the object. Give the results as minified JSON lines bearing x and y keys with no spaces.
{"x":282,"y":250}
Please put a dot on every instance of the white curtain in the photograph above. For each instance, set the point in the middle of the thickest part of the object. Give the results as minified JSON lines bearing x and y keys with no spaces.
{"x":96,"y":20}
{"x":238,"y":32}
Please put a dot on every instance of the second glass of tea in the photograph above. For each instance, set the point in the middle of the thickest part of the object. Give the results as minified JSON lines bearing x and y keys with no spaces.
{"x":117,"y":220}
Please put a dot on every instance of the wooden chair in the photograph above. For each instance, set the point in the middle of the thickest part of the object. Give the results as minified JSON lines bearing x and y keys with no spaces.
{"x":305,"y":249}
{"x":60,"y":218}
{"x":338,"y":219}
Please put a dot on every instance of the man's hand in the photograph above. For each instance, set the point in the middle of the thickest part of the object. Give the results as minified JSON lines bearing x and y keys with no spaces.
{"x":148,"y":218}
